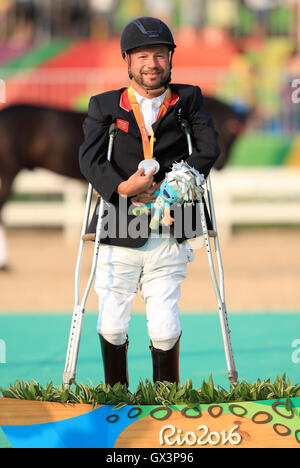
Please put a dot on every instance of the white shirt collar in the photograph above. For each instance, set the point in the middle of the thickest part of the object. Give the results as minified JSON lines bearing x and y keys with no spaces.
{"x":150,"y":109}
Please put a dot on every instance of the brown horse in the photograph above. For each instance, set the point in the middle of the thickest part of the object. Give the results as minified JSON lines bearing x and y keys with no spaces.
{"x":34,"y":136}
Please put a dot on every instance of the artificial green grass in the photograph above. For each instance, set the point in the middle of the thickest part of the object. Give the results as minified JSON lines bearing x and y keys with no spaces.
{"x":159,"y":393}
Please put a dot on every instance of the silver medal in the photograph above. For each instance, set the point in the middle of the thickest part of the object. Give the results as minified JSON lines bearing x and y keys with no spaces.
{"x":148,"y":164}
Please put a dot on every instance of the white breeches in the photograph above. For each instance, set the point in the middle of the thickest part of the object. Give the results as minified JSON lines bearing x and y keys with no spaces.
{"x":158,"y":268}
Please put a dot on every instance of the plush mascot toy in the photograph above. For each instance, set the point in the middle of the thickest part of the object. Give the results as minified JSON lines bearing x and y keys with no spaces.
{"x":183,"y":184}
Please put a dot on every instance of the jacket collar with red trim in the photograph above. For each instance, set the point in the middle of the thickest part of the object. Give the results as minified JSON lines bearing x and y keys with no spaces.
{"x":125,"y":103}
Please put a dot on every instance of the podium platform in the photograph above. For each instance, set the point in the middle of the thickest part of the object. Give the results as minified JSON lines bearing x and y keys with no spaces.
{"x":259,"y":424}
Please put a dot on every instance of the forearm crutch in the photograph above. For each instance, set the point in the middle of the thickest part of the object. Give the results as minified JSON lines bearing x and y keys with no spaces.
{"x":218,"y":286}
{"x":79,"y":307}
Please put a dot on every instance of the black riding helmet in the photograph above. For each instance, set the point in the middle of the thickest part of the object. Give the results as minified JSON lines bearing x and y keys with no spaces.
{"x":146,"y":31}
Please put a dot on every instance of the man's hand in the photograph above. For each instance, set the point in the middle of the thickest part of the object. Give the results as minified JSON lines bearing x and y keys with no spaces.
{"x":147,"y":196}
{"x":137,"y":183}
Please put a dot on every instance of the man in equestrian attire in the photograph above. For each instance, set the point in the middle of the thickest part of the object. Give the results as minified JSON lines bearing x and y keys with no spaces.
{"x":148,"y":141}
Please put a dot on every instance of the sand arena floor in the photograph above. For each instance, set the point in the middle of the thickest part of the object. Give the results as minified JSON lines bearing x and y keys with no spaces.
{"x":262,"y":273}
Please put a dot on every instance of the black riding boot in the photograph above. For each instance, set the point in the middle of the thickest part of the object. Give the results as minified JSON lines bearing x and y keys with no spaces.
{"x":115,"y":362}
{"x":166,"y":364}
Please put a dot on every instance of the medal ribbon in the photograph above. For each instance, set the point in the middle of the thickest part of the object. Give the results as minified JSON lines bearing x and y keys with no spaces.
{"x":148,"y":144}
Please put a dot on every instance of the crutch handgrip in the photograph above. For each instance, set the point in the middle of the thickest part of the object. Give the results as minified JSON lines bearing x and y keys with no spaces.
{"x":113,"y":129}
{"x":185,"y":126}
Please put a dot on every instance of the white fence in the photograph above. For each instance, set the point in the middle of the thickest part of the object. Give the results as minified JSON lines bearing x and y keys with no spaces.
{"x":64,"y":212}
{"x":250,"y":196}
{"x":256,"y":196}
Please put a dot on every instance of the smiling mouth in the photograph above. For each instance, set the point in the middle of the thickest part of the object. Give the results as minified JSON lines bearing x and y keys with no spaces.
{"x":154,"y":73}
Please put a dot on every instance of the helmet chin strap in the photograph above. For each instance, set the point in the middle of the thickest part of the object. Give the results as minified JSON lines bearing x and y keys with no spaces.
{"x":156,"y":91}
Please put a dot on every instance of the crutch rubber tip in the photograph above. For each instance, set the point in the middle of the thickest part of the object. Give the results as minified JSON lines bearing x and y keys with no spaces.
{"x":68,"y":379}
{"x":233,"y":377}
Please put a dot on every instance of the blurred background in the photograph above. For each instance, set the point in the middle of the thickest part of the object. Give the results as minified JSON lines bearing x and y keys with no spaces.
{"x":245,"y":56}
{"x":243,"y":52}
